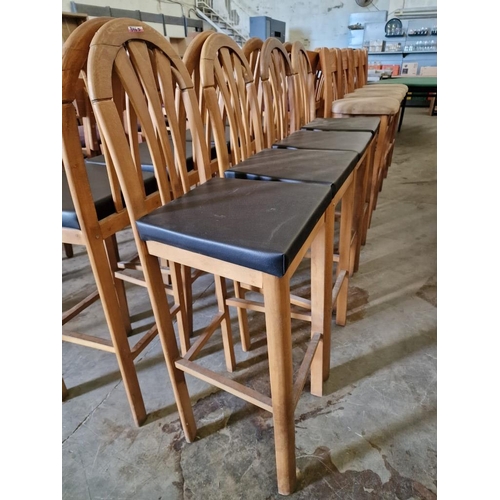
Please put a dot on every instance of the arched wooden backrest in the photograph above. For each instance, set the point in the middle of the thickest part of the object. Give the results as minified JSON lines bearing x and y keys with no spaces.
{"x":305,"y":77}
{"x":229,"y":91}
{"x":279,"y":97}
{"x":74,"y":62}
{"x":319,"y":81}
{"x":356,"y":67}
{"x":326,"y":85}
{"x":131,"y":57}
{"x":347,"y":70}
{"x":191,"y":58}
{"x":100,"y":215}
{"x":251,"y":48}
{"x":362,"y":67}
{"x":336,"y":69}
{"x":327,"y":81}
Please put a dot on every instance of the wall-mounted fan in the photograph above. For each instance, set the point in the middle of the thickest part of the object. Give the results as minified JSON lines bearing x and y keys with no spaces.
{"x":364,"y":3}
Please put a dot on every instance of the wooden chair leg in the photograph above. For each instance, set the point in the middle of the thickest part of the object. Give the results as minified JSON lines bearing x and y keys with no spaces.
{"x":68,"y":250}
{"x":279,"y":345}
{"x":227,"y":339}
{"x":187,"y":281}
{"x":239,"y":293}
{"x":321,"y":301}
{"x":65,"y":391}
{"x":368,"y":187}
{"x":114,"y":258}
{"x":182,"y":284}
{"x":359,"y":213}
{"x":344,"y":263}
{"x":166,"y":333}
{"x":431,"y":106}
{"x":106,"y":285}
{"x":378,"y":166}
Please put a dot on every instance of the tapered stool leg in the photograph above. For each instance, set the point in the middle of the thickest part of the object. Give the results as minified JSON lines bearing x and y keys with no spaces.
{"x":344,"y":264}
{"x":279,"y":344}
{"x":321,"y":301}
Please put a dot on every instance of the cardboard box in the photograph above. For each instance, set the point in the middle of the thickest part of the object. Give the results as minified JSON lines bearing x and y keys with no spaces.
{"x":428,"y":71}
{"x":395,"y":68}
{"x":409,"y":69}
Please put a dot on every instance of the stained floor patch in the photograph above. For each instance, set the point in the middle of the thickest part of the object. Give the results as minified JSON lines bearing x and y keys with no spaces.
{"x":429,"y":291}
{"x":320,"y":478}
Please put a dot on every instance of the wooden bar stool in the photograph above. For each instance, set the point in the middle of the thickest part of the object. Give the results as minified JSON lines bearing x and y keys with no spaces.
{"x":92,"y":214}
{"x":361,"y":68}
{"x":385,"y":107}
{"x":277,"y":77}
{"x":249,"y":148}
{"x":330,"y":76}
{"x":207,"y":228}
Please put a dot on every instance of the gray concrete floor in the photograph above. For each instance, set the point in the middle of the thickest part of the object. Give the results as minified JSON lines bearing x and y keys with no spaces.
{"x":371,"y":436}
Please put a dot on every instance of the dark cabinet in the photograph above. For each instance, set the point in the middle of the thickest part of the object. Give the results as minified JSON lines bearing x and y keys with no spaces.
{"x":265,"y":27}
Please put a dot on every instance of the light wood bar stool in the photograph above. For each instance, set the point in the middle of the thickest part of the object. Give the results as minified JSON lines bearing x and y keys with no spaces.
{"x":384,"y":106}
{"x":92,"y":214}
{"x":333,"y":168}
{"x":277,"y":76}
{"x":331,"y":80}
{"x":361,"y":68}
{"x":207,"y":228}
{"x":357,"y":64}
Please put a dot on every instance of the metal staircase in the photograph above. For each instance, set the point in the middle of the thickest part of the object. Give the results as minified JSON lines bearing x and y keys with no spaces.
{"x":205,"y":11}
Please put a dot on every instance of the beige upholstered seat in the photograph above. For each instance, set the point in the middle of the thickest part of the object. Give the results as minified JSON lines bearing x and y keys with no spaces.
{"x":363,"y":106}
{"x":359,"y":93}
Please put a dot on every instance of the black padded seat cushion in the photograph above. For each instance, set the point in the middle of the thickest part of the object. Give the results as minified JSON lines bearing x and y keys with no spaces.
{"x":101,"y":193}
{"x":301,"y":165}
{"x":352,"y":123}
{"x":255,"y":224}
{"x":335,"y":141}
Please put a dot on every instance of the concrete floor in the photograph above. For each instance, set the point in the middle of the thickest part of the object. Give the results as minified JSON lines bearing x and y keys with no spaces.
{"x":372,"y":435}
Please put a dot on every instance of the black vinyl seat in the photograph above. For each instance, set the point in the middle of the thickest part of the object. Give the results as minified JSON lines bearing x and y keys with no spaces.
{"x":264,"y":234}
{"x":338,"y":141}
{"x":323,"y":167}
{"x":355,"y":123}
{"x":101,"y":195}
{"x":360,"y":142}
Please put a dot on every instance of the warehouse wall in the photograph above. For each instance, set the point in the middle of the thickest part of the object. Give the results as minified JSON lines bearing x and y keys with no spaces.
{"x":169,"y":8}
{"x":315,"y":23}
{"x":318,"y":23}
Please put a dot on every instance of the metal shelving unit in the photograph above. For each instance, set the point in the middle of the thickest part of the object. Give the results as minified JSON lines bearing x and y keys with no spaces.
{"x":375,"y":35}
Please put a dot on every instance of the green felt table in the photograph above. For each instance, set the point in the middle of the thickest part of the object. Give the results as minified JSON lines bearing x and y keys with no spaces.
{"x":412,"y":81}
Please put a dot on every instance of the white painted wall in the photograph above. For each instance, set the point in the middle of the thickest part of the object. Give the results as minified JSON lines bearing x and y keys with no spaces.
{"x":316,"y":23}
